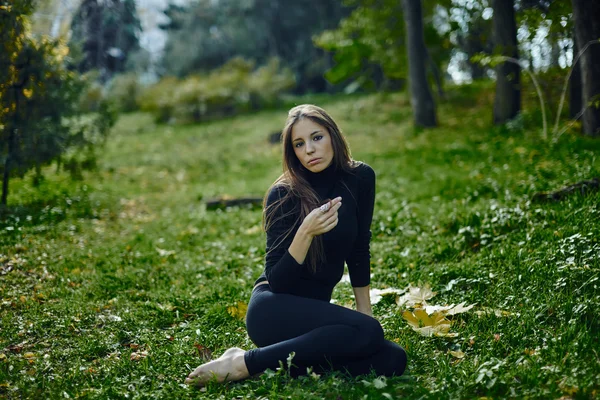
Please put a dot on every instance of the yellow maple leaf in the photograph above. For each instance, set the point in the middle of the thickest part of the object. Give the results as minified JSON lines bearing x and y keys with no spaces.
{"x":239,"y":310}
{"x":428,"y":325}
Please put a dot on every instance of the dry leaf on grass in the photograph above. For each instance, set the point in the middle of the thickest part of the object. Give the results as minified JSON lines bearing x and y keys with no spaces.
{"x":415,"y":295}
{"x":457,"y":354}
{"x":239,"y":310}
{"x":165,"y":253}
{"x":428,"y":325}
{"x":203,"y":352}
{"x":377,"y":294}
{"x":135,"y":356}
{"x":498,"y":313}
{"x":449,"y":310}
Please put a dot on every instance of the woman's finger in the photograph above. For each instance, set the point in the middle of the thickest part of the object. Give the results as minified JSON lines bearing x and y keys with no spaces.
{"x":331,"y":225}
{"x":333,"y":209}
{"x":328,"y":220}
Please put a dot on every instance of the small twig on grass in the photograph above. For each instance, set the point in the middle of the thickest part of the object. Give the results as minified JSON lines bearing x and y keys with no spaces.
{"x":584,"y":187}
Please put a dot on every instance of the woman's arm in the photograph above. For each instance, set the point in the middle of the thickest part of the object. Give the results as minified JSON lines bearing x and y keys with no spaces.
{"x":359,"y":259}
{"x":300,"y":245}
{"x":363,"y":300}
{"x":283,"y":261}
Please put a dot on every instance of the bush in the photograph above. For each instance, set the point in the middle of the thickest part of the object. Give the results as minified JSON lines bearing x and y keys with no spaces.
{"x":124,"y":91}
{"x":158,"y":99}
{"x":234,"y":88}
{"x":93,"y":95}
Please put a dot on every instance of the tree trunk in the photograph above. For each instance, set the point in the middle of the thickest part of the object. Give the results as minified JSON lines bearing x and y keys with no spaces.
{"x":507,"y":103}
{"x":437,"y":76}
{"x":575,"y":95}
{"x":7,"y":165}
{"x":420,"y":93}
{"x":586,"y":15}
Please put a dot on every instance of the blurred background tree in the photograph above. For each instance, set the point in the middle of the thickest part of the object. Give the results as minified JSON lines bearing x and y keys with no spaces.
{"x":39,"y":98}
{"x":507,"y":103}
{"x":104,"y":36}
{"x":311,"y":46}
{"x":587,"y":30}
{"x":420,"y":94}
{"x":204,"y":35}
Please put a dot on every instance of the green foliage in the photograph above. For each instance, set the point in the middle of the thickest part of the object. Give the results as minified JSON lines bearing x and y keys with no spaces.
{"x":92,"y":95}
{"x":39,"y":99}
{"x":471,"y":32}
{"x":277,"y":28}
{"x":96,"y":274}
{"x":368,"y":39}
{"x":234,"y":88}
{"x":105,"y":34}
{"x":124,"y":91}
{"x":369,"y":44}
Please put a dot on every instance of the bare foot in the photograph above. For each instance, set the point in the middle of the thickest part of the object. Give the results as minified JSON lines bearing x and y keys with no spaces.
{"x":229,"y":367}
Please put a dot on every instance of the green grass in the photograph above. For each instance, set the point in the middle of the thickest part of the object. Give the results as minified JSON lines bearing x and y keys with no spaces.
{"x":130,"y":260}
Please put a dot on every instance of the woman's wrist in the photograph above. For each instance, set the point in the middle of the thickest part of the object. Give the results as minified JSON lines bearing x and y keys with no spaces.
{"x":300,"y":245}
{"x":303,"y":232}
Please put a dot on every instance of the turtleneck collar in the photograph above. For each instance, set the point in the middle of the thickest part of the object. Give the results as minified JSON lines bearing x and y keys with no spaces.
{"x":324,"y":178}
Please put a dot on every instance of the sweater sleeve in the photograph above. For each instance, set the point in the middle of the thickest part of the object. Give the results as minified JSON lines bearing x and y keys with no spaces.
{"x":281,"y":269}
{"x":359,"y":260}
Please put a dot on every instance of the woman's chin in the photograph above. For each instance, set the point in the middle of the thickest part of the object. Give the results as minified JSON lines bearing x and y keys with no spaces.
{"x":316,"y":168}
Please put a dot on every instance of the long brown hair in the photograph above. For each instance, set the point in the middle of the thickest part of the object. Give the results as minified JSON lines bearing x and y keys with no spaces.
{"x":293,"y":176}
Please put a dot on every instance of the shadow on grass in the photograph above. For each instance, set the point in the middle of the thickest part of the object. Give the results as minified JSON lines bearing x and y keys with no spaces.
{"x":40,"y":214}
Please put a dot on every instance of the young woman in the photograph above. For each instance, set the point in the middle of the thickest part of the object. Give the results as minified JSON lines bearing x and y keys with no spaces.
{"x":317,"y":217}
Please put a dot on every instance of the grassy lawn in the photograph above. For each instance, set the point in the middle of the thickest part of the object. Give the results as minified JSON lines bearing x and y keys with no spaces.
{"x":119,"y":285}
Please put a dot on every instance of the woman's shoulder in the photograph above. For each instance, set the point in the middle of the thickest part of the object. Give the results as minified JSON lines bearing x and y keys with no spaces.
{"x":363,"y":171}
{"x":278,"y":192}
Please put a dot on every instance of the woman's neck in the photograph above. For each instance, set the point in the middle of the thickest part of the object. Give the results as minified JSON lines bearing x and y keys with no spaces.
{"x":323,"y":178}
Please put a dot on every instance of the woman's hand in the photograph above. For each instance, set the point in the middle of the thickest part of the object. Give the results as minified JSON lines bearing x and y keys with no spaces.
{"x":322,"y":219}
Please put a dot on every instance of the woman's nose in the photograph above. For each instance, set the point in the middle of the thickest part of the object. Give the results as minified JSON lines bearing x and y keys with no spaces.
{"x":309,"y":148}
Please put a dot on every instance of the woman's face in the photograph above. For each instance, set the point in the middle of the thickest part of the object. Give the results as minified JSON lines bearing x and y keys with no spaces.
{"x":312,"y":145}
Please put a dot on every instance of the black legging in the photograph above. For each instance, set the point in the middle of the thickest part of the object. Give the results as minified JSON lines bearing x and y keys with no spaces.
{"x":322,"y":335}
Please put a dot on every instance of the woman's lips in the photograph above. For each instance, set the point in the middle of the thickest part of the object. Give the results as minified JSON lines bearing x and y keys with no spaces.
{"x":315,"y":161}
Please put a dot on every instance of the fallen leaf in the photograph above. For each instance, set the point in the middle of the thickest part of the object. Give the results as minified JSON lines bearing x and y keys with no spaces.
{"x":203,"y":352}
{"x":135,"y":356}
{"x":498,"y":313}
{"x":416,"y":295}
{"x":377,"y":294}
{"x":457,"y":354}
{"x":379,"y":382}
{"x":16,"y":348}
{"x":449,"y":310}
{"x":239,"y":310}
{"x":428,"y":325}
{"x":165,"y":253}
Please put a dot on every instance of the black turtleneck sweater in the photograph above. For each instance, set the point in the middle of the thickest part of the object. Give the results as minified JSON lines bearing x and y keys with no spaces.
{"x":347,"y":242}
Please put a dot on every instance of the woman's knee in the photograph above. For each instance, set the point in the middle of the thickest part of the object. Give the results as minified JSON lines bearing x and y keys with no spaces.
{"x":371,"y":335}
{"x":396,"y":362}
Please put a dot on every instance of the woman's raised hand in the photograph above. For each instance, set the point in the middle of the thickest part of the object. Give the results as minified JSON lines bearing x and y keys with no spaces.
{"x":322,"y":219}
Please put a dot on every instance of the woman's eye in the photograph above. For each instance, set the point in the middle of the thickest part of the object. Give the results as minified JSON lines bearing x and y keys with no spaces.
{"x":298,"y":144}
{"x":318,"y":137}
